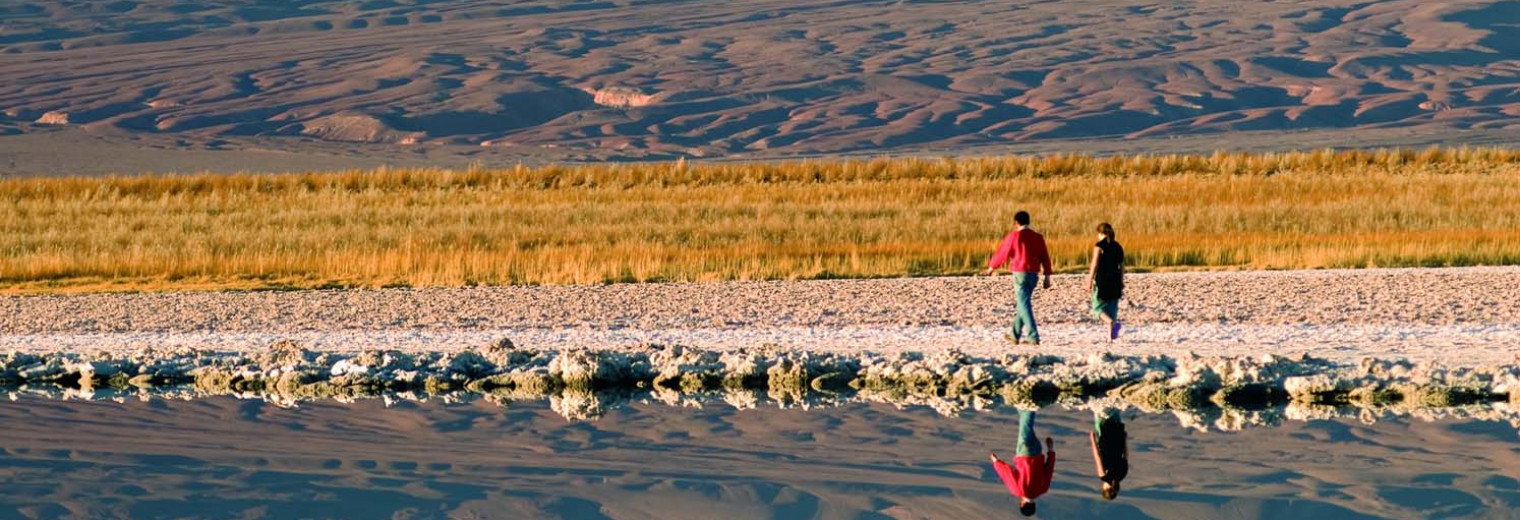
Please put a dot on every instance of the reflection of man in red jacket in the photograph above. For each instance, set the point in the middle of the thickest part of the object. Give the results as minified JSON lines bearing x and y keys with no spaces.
{"x":1029,"y":475}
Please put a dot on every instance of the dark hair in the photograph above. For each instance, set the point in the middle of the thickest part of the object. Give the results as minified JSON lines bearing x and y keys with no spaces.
{"x":1111,"y":491}
{"x":1027,"y":508}
{"x":1022,"y":218}
{"x":1107,"y":231}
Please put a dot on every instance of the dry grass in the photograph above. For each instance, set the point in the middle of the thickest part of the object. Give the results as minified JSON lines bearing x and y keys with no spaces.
{"x":681,"y":222}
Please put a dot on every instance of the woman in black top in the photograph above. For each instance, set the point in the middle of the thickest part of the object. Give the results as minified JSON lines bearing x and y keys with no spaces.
{"x":1105,"y":278}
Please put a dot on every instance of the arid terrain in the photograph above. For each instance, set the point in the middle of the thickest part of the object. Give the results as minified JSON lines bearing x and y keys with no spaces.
{"x":365,"y":258}
{"x":1462,"y":316}
{"x":275,"y":85}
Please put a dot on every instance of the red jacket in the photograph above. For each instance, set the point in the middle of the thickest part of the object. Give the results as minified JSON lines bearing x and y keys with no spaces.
{"x":1030,"y":476}
{"x":1024,"y":252}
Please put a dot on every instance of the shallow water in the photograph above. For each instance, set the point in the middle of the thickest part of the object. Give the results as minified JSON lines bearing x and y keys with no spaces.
{"x":229,"y":458}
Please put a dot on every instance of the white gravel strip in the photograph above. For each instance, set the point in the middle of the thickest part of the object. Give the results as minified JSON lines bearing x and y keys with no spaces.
{"x":1458,"y":344}
{"x":1460,"y":316}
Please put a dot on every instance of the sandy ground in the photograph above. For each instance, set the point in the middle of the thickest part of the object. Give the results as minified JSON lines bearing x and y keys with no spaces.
{"x":667,"y":79}
{"x":1467,"y":315}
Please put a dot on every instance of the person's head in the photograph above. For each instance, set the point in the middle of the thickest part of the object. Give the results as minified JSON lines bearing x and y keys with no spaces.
{"x":1110,"y":490}
{"x":1026,"y":506}
{"x":1105,"y":231}
{"x":1022,"y":218}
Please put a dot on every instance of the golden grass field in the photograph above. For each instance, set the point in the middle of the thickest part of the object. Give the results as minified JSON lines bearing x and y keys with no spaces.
{"x":745,"y":221}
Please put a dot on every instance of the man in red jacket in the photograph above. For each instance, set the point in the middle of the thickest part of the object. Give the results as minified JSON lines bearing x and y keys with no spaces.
{"x":1025,"y":253}
{"x":1029,"y":475}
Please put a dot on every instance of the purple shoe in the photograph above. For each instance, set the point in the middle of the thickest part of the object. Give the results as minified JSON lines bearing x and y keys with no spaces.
{"x":1113,"y":331}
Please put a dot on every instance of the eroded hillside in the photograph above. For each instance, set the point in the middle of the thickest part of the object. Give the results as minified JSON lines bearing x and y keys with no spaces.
{"x":654,"y":78}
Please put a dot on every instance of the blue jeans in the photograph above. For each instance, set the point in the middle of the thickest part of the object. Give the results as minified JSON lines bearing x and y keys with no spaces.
{"x":1025,"y":315}
{"x":1029,"y":444}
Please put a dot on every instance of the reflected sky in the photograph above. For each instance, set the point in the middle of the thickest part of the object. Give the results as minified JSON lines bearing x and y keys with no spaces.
{"x":226,"y":458}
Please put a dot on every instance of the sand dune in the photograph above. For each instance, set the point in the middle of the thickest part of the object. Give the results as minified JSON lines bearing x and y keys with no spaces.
{"x":661,"y":78}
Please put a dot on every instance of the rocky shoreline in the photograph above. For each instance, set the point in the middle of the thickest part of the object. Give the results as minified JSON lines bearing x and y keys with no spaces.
{"x":1456,"y":316}
{"x":950,"y":381}
{"x":1227,"y":346}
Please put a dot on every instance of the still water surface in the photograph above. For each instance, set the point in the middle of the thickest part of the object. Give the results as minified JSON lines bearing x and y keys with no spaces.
{"x":226,"y":458}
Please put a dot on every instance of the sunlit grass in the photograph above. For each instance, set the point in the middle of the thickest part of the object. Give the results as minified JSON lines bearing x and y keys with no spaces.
{"x":725,"y":221}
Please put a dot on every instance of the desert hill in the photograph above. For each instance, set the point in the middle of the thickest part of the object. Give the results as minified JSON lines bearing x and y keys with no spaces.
{"x":661,"y":78}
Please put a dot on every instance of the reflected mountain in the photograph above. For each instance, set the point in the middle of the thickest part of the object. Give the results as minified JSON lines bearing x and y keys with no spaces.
{"x":226,"y":458}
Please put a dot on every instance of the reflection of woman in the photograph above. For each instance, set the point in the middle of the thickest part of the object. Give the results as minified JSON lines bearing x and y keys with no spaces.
{"x":1105,"y":278}
{"x":1110,"y":449}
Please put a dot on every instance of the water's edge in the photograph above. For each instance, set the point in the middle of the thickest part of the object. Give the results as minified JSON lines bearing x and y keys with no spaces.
{"x":1221,"y":391}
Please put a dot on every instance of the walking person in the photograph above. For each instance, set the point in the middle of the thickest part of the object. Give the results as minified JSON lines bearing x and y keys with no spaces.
{"x":1023,"y":251}
{"x":1105,"y":279}
{"x":1029,"y":475}
{"x":1110,"y":445}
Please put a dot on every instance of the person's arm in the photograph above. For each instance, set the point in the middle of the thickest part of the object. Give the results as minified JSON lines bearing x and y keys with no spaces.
{"x":1045,"y":262}
{"x":1050,"y":456}
{"x":1097,"y":459}
{"x":1092,"y":268}
{"x":1004,"y":251}
{"x":1121,"y":262}
{"x":1004,"y":470}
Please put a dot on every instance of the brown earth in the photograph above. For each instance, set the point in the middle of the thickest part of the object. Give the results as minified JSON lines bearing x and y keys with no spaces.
{"x":661,"y":78}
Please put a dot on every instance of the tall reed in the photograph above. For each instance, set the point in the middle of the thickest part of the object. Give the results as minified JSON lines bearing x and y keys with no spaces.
{"x":721,"y":221}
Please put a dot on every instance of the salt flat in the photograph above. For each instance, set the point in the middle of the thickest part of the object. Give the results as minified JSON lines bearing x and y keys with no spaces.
{"x":1457,"y":316}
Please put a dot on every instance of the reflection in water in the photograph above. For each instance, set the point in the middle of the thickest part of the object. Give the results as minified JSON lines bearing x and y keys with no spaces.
{"x":225,"y":458}
{"x":1033,"y":468}
{"x":1110,"y":447}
